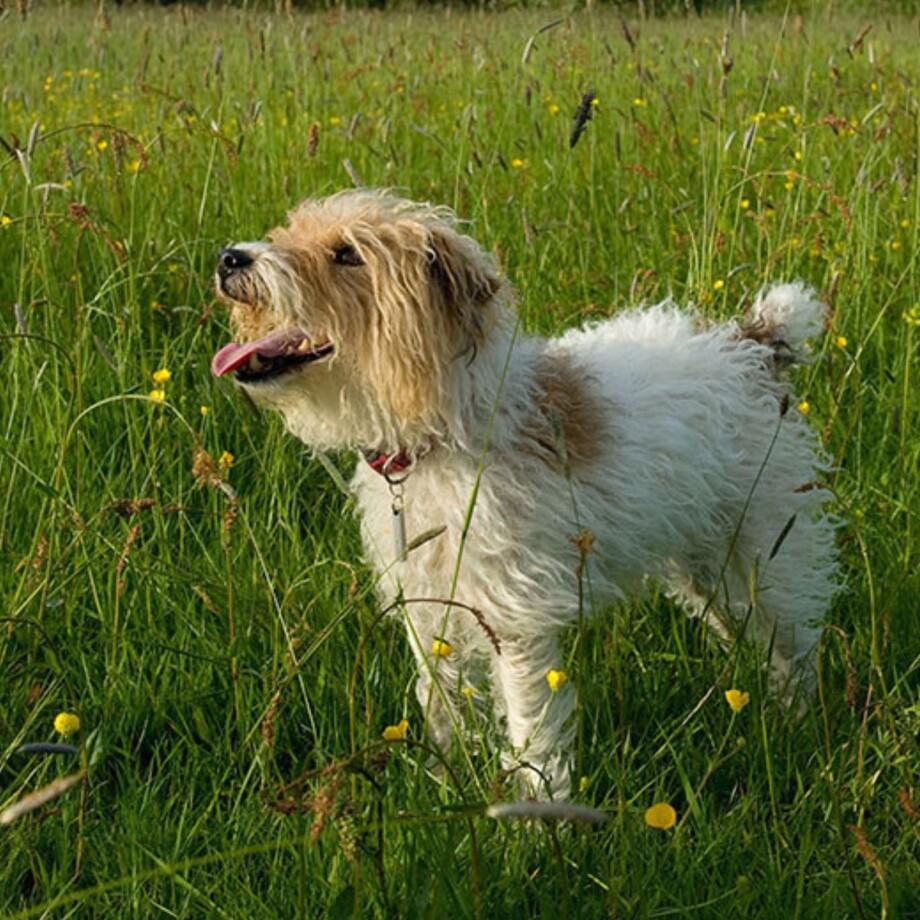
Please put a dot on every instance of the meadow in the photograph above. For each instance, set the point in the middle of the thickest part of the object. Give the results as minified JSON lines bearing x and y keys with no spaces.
{"x":183,"y":577}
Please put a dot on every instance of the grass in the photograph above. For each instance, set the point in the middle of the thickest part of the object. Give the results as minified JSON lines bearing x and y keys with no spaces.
{"x":215,"y":630}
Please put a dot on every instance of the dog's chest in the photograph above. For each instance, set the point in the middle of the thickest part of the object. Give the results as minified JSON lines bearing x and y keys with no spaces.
{"x":430,"y":508}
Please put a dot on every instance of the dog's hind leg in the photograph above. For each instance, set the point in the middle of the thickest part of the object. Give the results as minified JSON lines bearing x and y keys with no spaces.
{"x":773,"y":596}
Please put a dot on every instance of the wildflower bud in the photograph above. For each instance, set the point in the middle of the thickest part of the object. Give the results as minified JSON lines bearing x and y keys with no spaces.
{"x":66,"y":724}
{"x":396,"y":732}
{"x":737,"y":699}
{"x":661,"y":816}
{"x":441,"y":649}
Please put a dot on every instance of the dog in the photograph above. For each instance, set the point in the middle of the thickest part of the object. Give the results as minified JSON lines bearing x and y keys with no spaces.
{"x":509,"y":485}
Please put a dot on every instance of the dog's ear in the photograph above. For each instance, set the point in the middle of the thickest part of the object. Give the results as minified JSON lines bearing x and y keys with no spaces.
{"x":465,"y":277}
{"x":433,"y":290}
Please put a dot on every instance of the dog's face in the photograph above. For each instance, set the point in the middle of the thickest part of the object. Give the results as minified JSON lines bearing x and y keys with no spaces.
{"x":357,"y":308}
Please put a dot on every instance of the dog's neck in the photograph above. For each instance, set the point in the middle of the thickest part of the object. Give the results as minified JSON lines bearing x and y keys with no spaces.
{"x":480,"y":389}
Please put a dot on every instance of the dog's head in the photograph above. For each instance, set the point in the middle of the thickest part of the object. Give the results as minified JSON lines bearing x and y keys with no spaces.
{"x":349,"y":319}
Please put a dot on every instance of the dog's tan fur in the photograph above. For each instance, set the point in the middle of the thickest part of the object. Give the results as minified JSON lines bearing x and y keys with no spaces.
{"x":572,"y":425}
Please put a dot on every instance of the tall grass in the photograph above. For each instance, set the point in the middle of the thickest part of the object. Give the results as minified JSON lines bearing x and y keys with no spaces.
{"x":207,"y":616}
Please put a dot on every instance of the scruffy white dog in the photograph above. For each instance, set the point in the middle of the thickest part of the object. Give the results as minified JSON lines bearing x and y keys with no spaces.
{"x":510,"y":483}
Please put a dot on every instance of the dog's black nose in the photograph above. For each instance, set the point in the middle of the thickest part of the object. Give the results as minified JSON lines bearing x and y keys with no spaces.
{"x":232,"y":260}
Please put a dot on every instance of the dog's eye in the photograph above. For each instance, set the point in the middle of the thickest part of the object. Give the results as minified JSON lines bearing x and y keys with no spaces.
{"x":346,"y":255}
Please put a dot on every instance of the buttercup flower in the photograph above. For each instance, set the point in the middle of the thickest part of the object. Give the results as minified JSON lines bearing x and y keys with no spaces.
{"x":556,"y":679}
{"x":661,"y":816}
{"x":396,"y":732}
{"x":225,"y":461}
{"x":841,"y":341}
{"x":66,"y":724}
{"x":804,"y":407}
{"x":163,"y":375}
{"x":157,"y":395}
{"x":441,"y":649}
{"x":737,"y":699}
{"x":912,"y":316}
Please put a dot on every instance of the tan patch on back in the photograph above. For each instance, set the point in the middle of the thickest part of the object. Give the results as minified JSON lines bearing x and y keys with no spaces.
{"x":570,"y":424}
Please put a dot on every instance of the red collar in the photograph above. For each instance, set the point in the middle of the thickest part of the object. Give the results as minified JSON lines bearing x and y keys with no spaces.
{"x":388,"y":465}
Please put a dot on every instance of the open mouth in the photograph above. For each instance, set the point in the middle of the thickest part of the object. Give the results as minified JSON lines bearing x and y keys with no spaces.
{"x":270,"y":357}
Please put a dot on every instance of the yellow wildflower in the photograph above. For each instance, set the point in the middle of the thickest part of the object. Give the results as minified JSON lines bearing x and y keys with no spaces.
{"x":6,"y":220}
{"x":205,"y":410}
{"x":661,"y":816}
{"x":517,"y":163}
{"x":396,"y":732}
{"x":718,"y":285}
{"x":66,"y":724}
{"x":468,"y":692}
{"x":556,"y":679}
{"x":552,"y":108}
{"x":157,"y":395}
{"x":335,"y":120}
{"x":895,"y":244}
{"x":905,"y":224}
{"x":841,"y":341}
{"x":225,"y":461}
{"x":804,"y":407}
{"x":441,"y":649}
{"x":745,"y":203}
{"x":101,"y":145}
{"x":163,"y":375}
{"x":737,"y":699}
{"x":912,"y":316}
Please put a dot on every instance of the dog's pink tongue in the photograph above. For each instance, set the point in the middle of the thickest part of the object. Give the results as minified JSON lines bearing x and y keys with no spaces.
{"x":233,"y":356}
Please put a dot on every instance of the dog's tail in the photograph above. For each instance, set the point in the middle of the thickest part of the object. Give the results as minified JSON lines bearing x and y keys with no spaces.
{"x":785,"y":317}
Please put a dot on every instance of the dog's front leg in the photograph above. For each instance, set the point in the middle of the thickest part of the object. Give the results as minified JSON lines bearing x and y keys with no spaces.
{"x":436,"y":686}
{"x":540,"y":724}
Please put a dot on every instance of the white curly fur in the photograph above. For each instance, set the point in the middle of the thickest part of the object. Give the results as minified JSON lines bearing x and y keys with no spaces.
{"x":670,"y":441}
